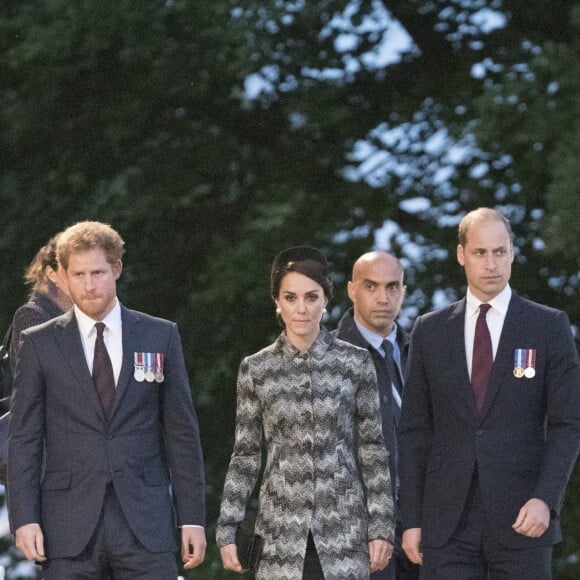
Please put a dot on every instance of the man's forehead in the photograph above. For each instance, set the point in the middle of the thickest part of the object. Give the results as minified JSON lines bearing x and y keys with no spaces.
{"x":382,"y":276}
{"x":378,"y":267}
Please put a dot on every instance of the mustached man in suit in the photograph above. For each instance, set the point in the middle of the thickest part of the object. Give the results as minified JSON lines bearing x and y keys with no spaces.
{"x":490,"y":424}
{"x":377,"y":291}
{"x":110,"y":407}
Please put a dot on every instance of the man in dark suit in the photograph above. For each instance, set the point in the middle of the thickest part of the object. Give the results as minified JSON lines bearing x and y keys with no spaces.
{"x":377,"y":291}
{"x":103,"y":392}
{"x":490,"y":424}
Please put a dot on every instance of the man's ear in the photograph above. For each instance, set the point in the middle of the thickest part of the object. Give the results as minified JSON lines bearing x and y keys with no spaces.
{"x":460,"y":255}
{"x":117,"y":268}
{"x":351,"y":290}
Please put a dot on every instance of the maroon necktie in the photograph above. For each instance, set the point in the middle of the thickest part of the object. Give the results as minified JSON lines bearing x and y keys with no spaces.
{"x":482,"y":357}
{"x":103,"y":370}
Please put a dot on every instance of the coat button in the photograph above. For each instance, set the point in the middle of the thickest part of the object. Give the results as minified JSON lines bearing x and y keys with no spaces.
{"x":479,"y":432}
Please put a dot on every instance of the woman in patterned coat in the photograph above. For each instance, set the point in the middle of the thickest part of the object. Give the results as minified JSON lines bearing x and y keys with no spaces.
{"x":325,"y":507}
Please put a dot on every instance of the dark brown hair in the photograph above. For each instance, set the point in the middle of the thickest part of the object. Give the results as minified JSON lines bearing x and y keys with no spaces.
{"x":34,"y":275}
{"x":311,"y":268}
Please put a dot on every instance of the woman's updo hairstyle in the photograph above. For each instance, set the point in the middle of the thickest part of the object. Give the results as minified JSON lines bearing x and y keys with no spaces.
{"x":302,"y":260}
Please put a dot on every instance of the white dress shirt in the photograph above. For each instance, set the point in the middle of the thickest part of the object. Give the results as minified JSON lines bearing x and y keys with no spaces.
{"x":495,"y":318}
{"x":112,"y":336}
{"x":376,"y":341}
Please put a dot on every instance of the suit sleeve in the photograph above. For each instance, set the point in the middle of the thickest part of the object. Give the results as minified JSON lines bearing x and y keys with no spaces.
{"x":563,"y":413}
{"x":26,"y":437}
{"x":182,"y":439}
{"x":416,"y":432}
{"x":373,"y":456}
{"x":245,"y":461}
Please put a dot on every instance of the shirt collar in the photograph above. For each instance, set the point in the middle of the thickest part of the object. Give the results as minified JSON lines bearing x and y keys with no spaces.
{"x":374,"y":339}
{"x":500,"y":302}
{"x":318,"y":348}
{"x":87,"y":324}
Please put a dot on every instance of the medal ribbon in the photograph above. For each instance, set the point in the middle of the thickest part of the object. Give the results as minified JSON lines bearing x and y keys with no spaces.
{"x":148,"y":362}
{"x":531,"y":358}
{"x":158,"y":362}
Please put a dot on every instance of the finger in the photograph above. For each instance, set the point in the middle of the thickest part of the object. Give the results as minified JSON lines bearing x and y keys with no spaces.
{"x":414,"y":555}
{"x":186,"y":553}
{"x":520,"y":519}
{"x":30,"y":552}
{"x":199,"y":550}
{"x":385,"y":562}
{"x":230,"y":561}
{"x":39,"y":547}
{"x":233,"y":565}
{"x":193,"y":562}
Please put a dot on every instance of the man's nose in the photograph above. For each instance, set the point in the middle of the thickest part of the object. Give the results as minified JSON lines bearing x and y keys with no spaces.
{"x":383,"y":295}
{"x":491,"y":262}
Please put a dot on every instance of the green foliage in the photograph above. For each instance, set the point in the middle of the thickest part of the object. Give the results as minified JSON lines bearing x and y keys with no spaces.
{"x":138,"y":116}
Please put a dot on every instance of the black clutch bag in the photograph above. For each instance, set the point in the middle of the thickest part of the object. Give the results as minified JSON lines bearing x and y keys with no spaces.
{"x":249,"y":549}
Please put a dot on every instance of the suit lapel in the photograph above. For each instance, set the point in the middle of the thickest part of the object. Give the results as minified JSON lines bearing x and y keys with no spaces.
{"x":504,"y":358}
{"x":69,"y":341}
{"x":130,"y":322}
{"x":456,"y":332}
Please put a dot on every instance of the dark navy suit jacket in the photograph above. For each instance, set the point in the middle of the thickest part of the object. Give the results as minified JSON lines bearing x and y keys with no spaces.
{"x":348,"y":331}
{"x":149,"y":448}
{"x":390,"y":414}
{"x":525,"y":441}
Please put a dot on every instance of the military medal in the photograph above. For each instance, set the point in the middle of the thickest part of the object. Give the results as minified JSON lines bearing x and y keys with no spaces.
{"x":530,"y":371}
{"x":519,"y":357}
{"x":159,"y":377}
{"x":149,"y":374}
{"x":139,"y":373}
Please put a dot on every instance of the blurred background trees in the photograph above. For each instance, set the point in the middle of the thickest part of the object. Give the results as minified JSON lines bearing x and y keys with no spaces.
{"x":214,"y":134}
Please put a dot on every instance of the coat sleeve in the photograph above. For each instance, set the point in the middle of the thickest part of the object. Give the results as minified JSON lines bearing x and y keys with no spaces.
{"x":245,"y":461}
{"x":26,"y":316}
{"x":415,"y":432}
{"x":563,"y":413}
{"x":373,"y":456}
{"x":182,"y":439}
{"x":26,"y":438}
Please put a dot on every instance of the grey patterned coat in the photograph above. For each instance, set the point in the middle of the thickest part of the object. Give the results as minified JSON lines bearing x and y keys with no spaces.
{"x":327,"y":465}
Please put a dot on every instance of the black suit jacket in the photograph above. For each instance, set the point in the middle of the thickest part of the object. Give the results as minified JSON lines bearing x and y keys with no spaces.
{"x":390,"y":414}
{"x":525,"y":441}
{"x":150,"y":441}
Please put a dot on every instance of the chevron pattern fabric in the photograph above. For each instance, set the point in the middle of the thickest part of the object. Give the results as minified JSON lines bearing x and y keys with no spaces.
{"x":327,"y":466}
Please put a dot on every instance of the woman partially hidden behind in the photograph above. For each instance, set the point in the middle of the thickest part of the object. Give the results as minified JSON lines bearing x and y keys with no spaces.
{"x":47,"y":299}
{"x":325,"y":508}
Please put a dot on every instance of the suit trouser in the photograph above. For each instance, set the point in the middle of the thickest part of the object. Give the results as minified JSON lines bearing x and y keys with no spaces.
{"x":113,"y":553}
{"x":312,"y":568}
{"x":473,"y":553}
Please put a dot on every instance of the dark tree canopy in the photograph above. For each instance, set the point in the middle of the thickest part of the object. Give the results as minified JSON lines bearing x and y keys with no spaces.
{"x":214,"y":134}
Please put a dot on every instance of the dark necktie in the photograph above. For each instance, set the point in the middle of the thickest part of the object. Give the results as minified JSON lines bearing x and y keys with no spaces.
{"x":482,"y":357}
{"x":392,"y":369}
{"x":103,"y":370}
